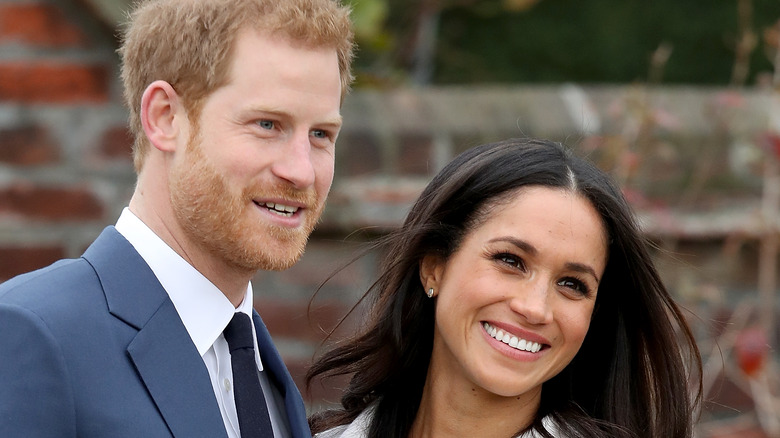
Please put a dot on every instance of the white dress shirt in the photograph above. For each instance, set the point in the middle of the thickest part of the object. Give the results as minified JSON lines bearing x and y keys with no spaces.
{"x":205,"y":312}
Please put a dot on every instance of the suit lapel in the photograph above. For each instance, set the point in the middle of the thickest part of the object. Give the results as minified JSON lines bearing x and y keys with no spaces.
{"x":280,"y":376}
{"x":176,"y":377}
{"x":166,"y":359}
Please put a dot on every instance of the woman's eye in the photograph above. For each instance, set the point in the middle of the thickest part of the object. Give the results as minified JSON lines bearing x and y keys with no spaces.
{"x":266,"y":124}
{"x":511,"y":260}
{"x":574,"y":284}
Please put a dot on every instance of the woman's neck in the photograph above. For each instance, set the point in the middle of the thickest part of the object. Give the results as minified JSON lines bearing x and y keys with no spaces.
{"x":453,"y":410}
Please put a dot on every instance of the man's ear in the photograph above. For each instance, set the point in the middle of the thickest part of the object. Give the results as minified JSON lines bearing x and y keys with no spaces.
{"x":161,"y":115}
{"x":431,"y":272}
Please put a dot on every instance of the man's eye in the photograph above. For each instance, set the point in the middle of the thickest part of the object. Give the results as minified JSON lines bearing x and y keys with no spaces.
{"x":266,"y":124}
{"x":319,"y":133}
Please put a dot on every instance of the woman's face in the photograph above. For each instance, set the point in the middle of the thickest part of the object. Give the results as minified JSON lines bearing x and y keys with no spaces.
{"x":514,"y":302}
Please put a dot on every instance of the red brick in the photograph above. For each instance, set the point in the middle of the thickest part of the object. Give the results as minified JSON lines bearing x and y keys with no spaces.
{"x":27,"y":146}
{"x":47,"y":82}
{"x":416,"y":154}
{"x":294,"y":319}
{"x":117,"y":143}
{"x":392,"y":194}
{"x":321,"y":261}
{"x":18,"y":260}
{"x":319,"y":393}
{"x":736,"y":432}
{"x":463,"y":142}
{"x":35,"y":202}
{"x":727,"y":396}
{"x":358,"y":153}
{"x":39,"y":24}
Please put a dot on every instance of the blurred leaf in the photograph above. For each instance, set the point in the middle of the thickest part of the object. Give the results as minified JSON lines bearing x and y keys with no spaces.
{"x":368,"y":17}
{"x":519,"y":5}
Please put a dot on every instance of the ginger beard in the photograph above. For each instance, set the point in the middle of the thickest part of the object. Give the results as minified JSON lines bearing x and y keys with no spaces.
{"x":222,"y":222}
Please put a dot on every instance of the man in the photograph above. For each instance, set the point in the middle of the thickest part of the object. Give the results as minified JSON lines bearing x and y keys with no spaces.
{"x":235,"y":108}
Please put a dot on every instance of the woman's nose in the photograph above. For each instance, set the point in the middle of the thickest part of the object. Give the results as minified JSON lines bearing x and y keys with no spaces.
{"x":533,"y":302}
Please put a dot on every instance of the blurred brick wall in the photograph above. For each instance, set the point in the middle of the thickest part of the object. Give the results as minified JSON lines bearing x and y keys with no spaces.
{"x":63,"y":144}
{"x":66,"y":171}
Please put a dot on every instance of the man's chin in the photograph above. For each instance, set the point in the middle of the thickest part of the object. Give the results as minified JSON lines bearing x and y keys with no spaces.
{"x":278,"y":266}
{"x":276,"y":257}
{"x":264,"y":247}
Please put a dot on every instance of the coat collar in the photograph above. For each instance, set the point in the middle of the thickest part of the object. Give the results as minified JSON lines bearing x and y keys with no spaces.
{"x":166,"y":359}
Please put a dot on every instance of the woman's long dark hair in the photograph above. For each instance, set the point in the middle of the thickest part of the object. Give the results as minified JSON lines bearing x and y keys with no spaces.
{"x":638,"y":371}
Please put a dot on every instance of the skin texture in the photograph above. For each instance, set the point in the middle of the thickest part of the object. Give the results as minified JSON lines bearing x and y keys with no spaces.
{"x":268,"y":136}
{"x":532,"y":268}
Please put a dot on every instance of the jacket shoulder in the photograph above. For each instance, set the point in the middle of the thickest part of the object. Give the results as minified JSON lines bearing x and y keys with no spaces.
{"x":45,"y":284}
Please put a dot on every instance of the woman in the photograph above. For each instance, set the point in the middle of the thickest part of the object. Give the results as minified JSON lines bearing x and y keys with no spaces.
{"x":518,"y":299}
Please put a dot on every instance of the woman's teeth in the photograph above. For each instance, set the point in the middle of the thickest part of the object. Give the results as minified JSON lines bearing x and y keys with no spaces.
{"x":512,"y":341}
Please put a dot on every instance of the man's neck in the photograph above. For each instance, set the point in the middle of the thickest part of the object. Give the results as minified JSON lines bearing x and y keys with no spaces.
{"x":230,"y":280}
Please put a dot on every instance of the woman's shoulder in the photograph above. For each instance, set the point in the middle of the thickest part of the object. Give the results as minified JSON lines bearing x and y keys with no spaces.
{"x":357,"y":429}
{"x":336,"y":432}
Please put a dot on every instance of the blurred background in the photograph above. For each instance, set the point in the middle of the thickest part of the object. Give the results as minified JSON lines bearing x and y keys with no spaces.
{"x":677,"y":99}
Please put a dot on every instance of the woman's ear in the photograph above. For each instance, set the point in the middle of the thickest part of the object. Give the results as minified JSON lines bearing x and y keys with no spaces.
{"x":431,"y":272}
{"x":161,"y":114}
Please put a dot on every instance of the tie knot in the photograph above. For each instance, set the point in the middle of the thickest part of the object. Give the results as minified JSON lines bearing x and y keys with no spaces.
{"x":238,"y":332}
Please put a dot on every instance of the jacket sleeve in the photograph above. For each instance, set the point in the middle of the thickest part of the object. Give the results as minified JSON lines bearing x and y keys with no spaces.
{"x":36,"y":400}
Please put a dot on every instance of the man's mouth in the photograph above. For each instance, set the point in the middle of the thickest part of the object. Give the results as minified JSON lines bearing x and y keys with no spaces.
{"x":511,"y":340}
{"x":280,"y":209}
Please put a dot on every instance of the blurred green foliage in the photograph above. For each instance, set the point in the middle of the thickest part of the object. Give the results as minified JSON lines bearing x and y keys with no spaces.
{"x":552,"y":41}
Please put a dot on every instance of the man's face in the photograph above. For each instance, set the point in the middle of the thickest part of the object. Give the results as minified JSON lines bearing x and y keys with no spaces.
{"x":253,"y":180}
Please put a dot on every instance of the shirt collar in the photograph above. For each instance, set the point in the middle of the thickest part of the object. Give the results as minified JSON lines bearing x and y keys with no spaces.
{"x":202,"y":307}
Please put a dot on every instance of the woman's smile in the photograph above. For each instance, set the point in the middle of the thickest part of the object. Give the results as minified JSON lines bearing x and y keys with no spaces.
{"x":514,"y":301}
{"x":518,"y":343}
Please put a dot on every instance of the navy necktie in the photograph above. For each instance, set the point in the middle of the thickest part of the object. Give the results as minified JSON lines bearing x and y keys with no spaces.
{"x":253,"y":419}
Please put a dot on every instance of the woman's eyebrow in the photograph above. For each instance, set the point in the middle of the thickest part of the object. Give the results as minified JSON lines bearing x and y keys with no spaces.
{"x":583,"y":268}
{"x":530,"y":249}
{"x":522,"y":244}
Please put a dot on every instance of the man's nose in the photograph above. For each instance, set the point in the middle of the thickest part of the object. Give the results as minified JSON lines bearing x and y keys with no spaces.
{"x":294,"y":163}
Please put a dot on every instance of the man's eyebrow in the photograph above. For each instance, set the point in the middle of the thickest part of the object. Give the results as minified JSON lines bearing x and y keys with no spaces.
{"x":335,"y":121}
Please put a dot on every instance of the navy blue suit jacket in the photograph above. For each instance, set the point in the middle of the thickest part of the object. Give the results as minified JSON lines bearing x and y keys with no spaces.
{"x":93,"y":347}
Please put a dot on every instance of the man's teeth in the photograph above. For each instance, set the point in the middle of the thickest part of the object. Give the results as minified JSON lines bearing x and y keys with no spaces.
{"x":512,"y":341}
{"x":280,"y":209}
